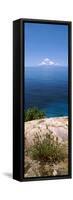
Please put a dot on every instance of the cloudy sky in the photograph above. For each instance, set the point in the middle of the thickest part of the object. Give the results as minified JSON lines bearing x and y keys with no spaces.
{"x":46,"y":44}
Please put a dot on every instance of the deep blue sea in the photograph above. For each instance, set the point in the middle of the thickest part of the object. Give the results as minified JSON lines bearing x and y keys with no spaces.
{"x":46,"y":87}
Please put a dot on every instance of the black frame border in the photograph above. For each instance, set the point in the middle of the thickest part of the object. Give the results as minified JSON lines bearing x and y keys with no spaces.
{"x":18,"y":163}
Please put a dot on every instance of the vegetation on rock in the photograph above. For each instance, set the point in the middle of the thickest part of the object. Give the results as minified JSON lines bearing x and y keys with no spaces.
{"x":33,"y":113}
{"x":48,"y":150}
{"x":47,"y":155}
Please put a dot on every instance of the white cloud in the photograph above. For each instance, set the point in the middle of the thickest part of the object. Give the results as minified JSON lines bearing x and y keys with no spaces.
{"x":42,"y":63}
{"x":47,"y":61}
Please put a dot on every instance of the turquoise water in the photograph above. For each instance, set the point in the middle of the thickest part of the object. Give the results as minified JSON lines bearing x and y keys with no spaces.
{"x":46,"y":87}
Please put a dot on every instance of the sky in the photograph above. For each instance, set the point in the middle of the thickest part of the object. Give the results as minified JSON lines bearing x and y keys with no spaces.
{"x":46,"y":44}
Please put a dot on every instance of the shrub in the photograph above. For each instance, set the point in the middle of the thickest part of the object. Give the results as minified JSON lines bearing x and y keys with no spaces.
{"x":48,"y":149}
{"x":33,"y":113}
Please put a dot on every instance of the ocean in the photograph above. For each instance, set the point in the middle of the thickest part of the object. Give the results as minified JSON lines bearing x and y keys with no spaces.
{"x":46,"y":87}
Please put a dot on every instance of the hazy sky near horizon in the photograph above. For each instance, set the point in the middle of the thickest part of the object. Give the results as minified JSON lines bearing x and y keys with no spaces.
{"x":46,"y":44}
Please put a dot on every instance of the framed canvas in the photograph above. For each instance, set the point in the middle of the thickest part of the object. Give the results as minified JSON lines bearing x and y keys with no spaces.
{"x":41,"y":99}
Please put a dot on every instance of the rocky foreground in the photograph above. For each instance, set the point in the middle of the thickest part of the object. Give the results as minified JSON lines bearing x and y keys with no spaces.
{"x":59,"y":129}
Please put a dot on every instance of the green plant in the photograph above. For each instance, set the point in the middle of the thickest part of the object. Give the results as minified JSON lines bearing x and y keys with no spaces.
{"x":48,"y":150}
{"x":33,"y":113}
